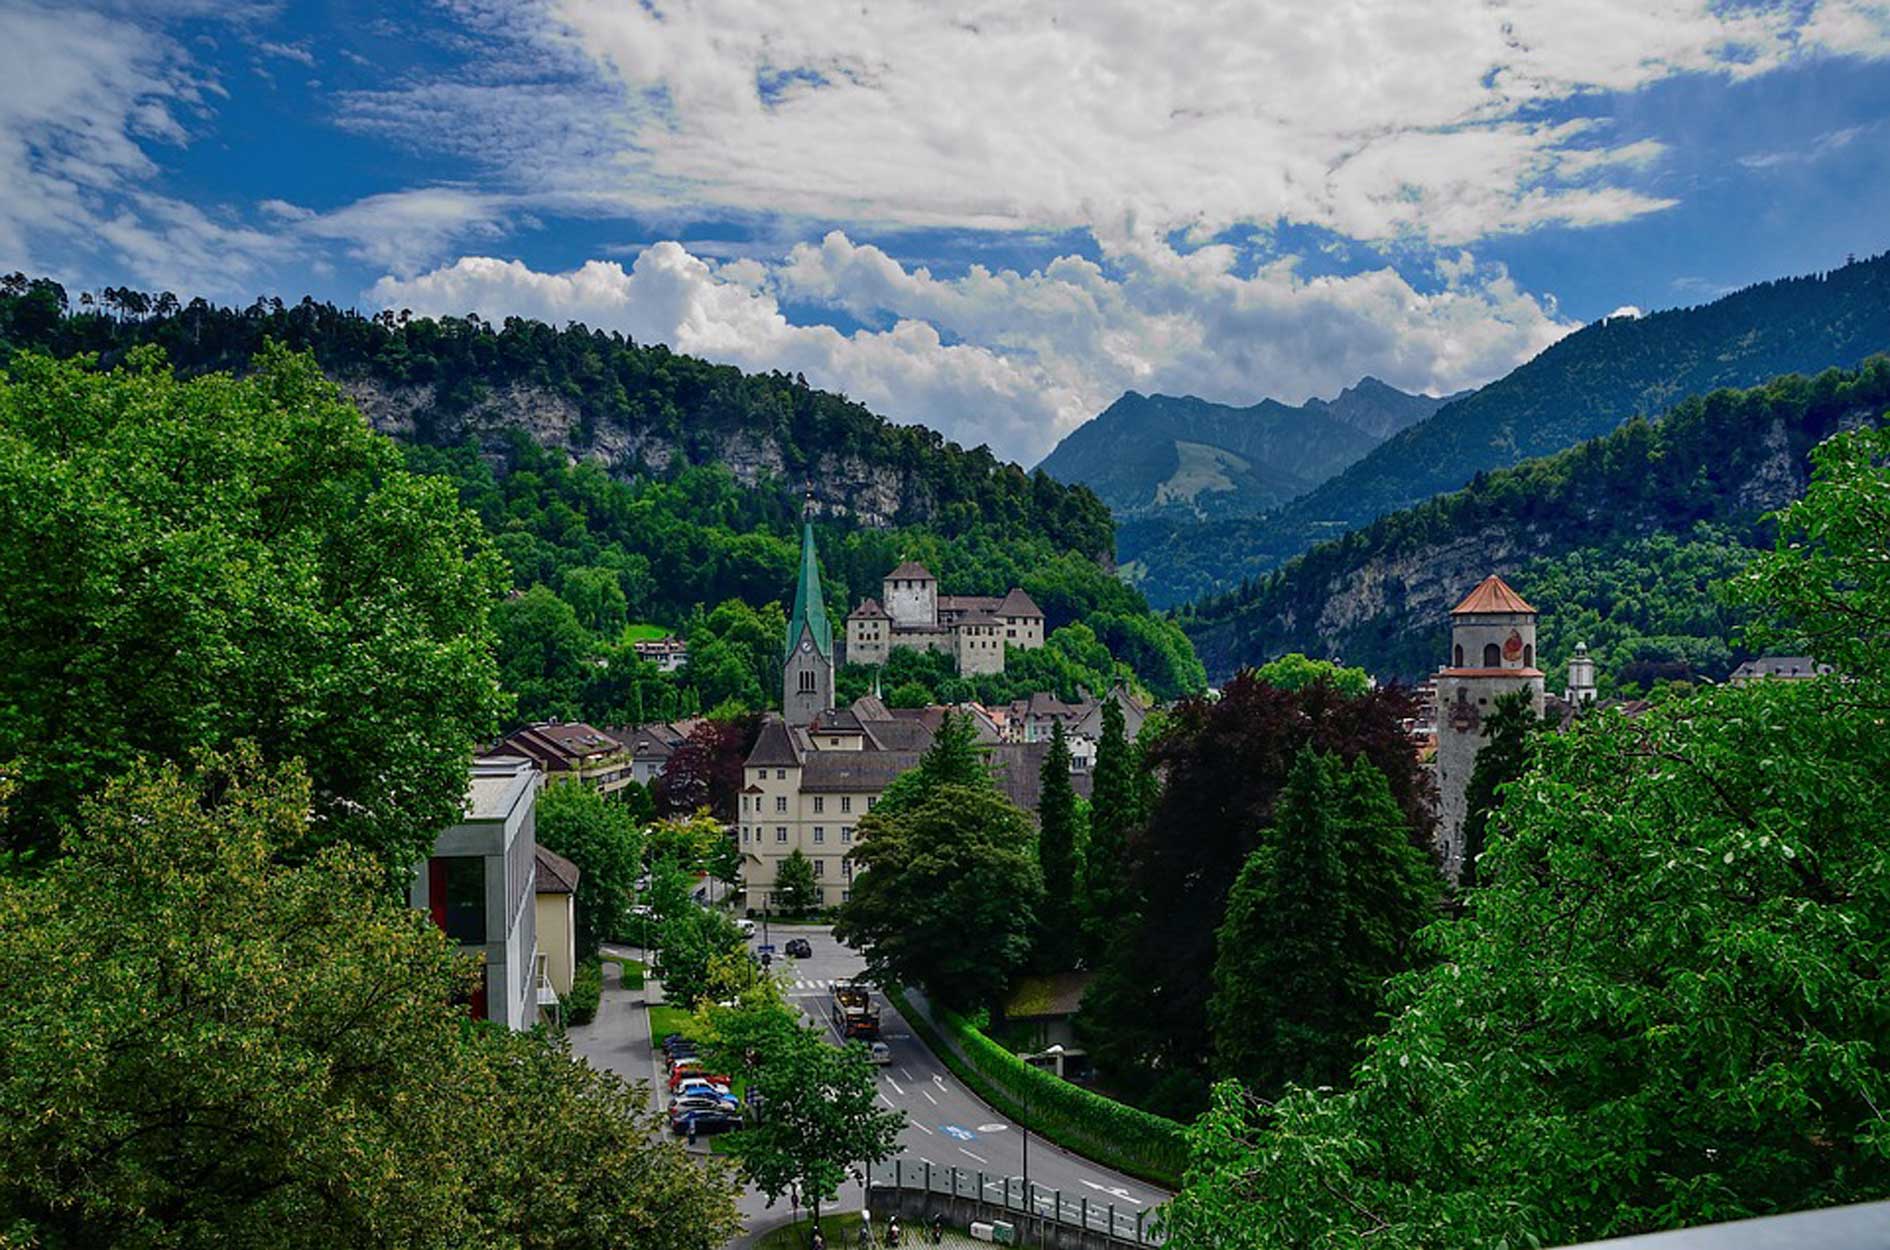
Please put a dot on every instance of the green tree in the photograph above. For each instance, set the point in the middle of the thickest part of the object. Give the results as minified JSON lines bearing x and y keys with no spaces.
{"x":544,"y":655}
{"x":1504,"y":756}
{"x":1664,"y":1006}
{"x":190,"y":562}
{"x":203,"y":1045}
{"x":596,"y":596}
{"x":1114,"y":811}
{"x":692,"y":940}
{"x":945,"y":893}
{"x":1294,"y":671}
{"x":953,"y":759}
{"x":795,"y":890}
{"x":602,"y":838}
{"x":1059,"y":856}
{"x":820,"y":1118}
{"x":1319,"y":919}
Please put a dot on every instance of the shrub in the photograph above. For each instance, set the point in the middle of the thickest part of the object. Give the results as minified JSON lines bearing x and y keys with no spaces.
{"x":587,"y":989}
{"x":1112,"y":1133}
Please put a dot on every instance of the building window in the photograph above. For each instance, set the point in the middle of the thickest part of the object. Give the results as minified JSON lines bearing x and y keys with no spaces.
{"x":780,"y":802}
{"x":807,"y":681}
{"x":846,"y":896}
{"x":870,"y":800}
{"x":846,"y":869}
{"x":820,"y":833}
{"x":1458,"y":658}
{"x":846,"y":833}
{"x":1529,"y":655}
{"x":1492,"y":655}
{"x":744,"y":835}
{"x":820,"y":803}
{"x":457,"y":886}
{"x":820,"y":866}
{"x":780,"y":833}
{"x":846,"y":802}
{"x":744,"y":802}
{"x":780,"y":774}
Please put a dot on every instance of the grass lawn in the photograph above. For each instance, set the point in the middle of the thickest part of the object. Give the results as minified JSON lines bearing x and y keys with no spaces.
{"x":631,"y":970}
{"x":665,"y":1020}
{"x":644,"y":633}
{"x":797,"y":1236}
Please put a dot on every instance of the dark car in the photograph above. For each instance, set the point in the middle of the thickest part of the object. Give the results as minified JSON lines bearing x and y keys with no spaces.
{"x":800,"y":948}
{"x":704,"y":1121}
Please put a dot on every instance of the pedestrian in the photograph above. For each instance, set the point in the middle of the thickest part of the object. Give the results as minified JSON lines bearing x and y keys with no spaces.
{"x":820,"y":1242}
{"x":691,"y":1120}
{"x":892,"y":1233}
{"x":938,"y":1228}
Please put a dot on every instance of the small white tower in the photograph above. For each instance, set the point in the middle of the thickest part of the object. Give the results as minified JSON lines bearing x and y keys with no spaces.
{"x":1492,"y":654}
{"x":1581,"y":678}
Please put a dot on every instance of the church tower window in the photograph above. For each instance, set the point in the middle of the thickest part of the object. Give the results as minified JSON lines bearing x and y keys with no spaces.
{"x":1459,"y":657}
{"x":1492,"y":655}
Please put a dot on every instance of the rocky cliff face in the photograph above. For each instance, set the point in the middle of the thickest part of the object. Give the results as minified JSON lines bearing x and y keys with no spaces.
{"x":844,"y":485}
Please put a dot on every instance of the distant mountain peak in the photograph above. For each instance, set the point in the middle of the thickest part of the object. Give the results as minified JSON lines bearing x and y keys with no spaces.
{"x":1157,"y":452}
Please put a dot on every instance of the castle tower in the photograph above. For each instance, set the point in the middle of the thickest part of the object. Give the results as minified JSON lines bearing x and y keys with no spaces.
{"x":1581,"y":678}
{"x":807,"y":662}
{"x":1492,"y":654}
{"x":910,"y":593}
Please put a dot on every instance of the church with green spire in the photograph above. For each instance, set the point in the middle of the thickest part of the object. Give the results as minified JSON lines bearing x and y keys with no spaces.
{"x":807,"y":661}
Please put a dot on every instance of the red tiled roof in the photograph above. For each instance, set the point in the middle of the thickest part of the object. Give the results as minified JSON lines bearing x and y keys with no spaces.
{"x":1493,"y":594}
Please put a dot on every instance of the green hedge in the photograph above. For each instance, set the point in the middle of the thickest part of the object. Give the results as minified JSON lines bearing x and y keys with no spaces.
{"x":1111,"y":1133}
{"x":587,"y":988}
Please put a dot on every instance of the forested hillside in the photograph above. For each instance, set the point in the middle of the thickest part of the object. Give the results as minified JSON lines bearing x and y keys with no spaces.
{"x":1580,"y":388}
{"x":635,"y":491}
{"x":1620,"y":537}
{"x":1181,"y":454}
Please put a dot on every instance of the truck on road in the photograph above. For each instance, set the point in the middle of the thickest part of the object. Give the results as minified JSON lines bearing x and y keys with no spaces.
{"x":854,"y":1014}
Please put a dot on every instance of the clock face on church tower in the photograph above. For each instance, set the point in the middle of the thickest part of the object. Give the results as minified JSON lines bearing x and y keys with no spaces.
{"x":807,"y":644}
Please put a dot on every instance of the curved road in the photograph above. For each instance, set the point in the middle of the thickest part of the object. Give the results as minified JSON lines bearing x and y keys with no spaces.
{"x":947,"y":1125}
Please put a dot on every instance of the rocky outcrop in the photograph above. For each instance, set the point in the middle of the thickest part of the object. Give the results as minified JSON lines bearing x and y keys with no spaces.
{"x":843,"y":485}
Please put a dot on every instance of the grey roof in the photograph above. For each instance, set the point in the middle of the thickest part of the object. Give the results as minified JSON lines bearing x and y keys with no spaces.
{"x":556,"y":874}
{"x":912,"y":570}
{"x":968,"y":603}
{"x":869,"y":609}
{"x":498,"y":783}
{"x":854,"y":771}
{"x":1780,"y":666}
{"x":1017,"y":603}
{"x":774,"y":746}
{"x":561,"y":743}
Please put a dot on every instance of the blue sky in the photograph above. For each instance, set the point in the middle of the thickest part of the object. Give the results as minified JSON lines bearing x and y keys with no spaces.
{"x":991,"y":218}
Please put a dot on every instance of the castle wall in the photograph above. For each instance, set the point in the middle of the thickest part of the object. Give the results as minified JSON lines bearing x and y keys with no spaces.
{"x":980,"y":649}
{"x":867,"y":641}
{"x":911,"y":601}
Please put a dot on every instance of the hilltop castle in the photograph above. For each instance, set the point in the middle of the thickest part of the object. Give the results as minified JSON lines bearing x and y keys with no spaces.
{"x":972,"y":629}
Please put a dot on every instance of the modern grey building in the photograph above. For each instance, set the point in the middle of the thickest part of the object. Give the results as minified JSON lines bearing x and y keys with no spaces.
{"x":478,"y":885}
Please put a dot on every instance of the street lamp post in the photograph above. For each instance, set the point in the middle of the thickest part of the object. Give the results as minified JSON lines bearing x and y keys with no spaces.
{"x":1030,"y":1204}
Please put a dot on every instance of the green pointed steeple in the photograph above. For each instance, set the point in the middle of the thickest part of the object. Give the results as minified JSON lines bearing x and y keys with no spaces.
{"x":810,"y":608}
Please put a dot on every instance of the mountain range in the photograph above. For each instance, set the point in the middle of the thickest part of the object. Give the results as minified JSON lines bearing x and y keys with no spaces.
{"x":1195,"y":458}
{"x":1581,"y":387}
{"x":1705,"y":474}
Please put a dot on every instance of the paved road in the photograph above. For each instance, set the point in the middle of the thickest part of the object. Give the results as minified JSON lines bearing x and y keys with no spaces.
{"x":947,"y":1126}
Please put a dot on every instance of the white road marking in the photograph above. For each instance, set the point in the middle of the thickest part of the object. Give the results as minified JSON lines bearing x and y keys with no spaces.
{"x":978,"y":1157}
{"x":940,"y":1082}
{"x":992,"y":1128}
{"x":889,"y":1102}
{"x":906,"y":1072}
{"x":895,"y":1084}
{"x":928,"y":1132}
{"x":1115,"y":1191}
{"x":928,"y":1097}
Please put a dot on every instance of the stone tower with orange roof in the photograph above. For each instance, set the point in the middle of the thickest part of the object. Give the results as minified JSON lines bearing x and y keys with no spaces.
{"x":1492,"y":654}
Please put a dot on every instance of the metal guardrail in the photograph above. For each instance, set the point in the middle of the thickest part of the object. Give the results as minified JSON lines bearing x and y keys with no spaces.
{"x":1007,"y":1193}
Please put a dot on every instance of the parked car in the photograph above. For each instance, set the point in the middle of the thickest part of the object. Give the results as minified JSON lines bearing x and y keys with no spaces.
{"x":701,"y":1087}
{"x":694,"y":1072}
{"x":705,"y":1121}
{"x":880,"y":1053}
{"x":699,"y":1102}
{"x":676,"y":1041}
{"x":800,"y":948}
{"x":747,"y":927}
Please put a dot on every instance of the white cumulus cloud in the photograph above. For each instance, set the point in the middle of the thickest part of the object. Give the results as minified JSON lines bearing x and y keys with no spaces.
{"x":1017,"y":360}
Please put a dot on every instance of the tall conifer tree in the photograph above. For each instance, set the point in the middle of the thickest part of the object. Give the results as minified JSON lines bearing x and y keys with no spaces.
{"x":1057,"y":855}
